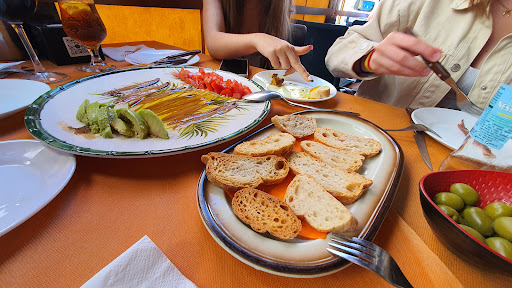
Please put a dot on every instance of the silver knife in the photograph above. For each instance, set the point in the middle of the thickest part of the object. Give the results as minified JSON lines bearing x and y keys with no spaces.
{"x":419,"y":138}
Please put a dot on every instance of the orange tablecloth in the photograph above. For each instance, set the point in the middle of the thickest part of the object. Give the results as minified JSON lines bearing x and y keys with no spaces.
{"x":109,"y":204}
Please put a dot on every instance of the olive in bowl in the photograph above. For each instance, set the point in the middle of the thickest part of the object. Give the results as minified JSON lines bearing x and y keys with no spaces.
{"x":492,"y":186}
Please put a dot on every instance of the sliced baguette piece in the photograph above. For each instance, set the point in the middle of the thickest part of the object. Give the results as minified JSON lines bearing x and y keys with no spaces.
{"x":346,"y":186}
{"x":233,"y":172}
{"x":299,"y":126}
{"x":273,"y":144}
{"x":319,"y":208}
{"x":266,"y":213}
{"x":342,"y":159}
{"x":336,"y":139}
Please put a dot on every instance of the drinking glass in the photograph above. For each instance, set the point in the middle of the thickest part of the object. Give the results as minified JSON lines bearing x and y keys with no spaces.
{"x":14,"y":12}
{"x":82,"y":23}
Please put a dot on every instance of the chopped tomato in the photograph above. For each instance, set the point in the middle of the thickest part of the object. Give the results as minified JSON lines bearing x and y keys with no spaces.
{"x":213,"y":82}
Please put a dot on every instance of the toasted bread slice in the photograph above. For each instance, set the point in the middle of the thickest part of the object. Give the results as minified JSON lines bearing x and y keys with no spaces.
{"x":299,"y":126}
{"x":273,"y":144}
{"x":342,"y":159}
{"x":319,"y":208}
{"x":233,"y":172}
{"x":364,"y":146}
{"x":346,"y":186}
{"x":266,"y":213}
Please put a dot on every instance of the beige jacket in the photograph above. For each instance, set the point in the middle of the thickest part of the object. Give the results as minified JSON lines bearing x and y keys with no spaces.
{"x":451,"y":25}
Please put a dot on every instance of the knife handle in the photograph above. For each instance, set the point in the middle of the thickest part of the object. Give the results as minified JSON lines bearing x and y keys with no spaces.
{"x":435,"y":66}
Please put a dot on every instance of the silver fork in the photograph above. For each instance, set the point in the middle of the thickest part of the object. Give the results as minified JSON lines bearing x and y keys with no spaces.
{"x":416,"y":127}
{"x":369,"y":256}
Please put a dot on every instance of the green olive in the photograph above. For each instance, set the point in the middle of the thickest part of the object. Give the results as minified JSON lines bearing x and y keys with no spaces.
{"x":466,"y":192}
{"x":478,"y":220}
{"x":500,"y":245}
{"x":498,"y":209}
{"x":449,"y":199}
{"x":473,"y":232}
{"x":452,"y":213}
{"x":503,"y":227}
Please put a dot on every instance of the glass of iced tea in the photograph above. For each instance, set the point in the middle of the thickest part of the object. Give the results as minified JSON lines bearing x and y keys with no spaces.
{"x":82,"y":23}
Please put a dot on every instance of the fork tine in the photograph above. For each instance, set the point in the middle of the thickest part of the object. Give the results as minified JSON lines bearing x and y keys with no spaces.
{"x":426,"y":128}
{"x":353,"y":252}
{"x":357,"y":246}
{"x":351,"y":258}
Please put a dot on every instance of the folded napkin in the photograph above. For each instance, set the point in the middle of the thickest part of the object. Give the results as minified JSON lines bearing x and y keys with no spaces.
{"x":118,"y":53}
{"x":9,"y":64}
{"x":142,"y":265}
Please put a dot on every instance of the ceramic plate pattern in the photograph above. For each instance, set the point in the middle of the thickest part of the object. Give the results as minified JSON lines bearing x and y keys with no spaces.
{"x":16,"y":94}
{"x":265,"y":77}
{"x":50,"y":116}
{"x":32,"y":174}
{"x":299,"y":257}
{"x":150,"y":56}
{"x":444,"y":122}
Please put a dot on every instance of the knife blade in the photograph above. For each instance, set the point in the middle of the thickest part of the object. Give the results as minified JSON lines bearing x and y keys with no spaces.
{"x":178,"y":55}
{"x":419,"y":138}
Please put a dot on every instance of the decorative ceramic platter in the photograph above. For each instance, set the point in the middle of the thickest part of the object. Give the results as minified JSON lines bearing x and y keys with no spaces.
{"x":31,"y":174}
{"x":300,"y":257}
{"x":51,"y":115}
{"x":264,"y":78}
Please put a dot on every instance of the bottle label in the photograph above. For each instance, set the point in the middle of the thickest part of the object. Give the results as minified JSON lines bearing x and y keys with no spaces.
{"x":494,"y":127}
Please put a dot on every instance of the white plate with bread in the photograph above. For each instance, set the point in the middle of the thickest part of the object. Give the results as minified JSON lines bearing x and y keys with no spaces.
{"x":294,"y":88}
{"x":272,"y":201}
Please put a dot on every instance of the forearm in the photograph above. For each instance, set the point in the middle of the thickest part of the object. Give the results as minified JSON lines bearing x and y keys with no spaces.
{"x":223,"y":45}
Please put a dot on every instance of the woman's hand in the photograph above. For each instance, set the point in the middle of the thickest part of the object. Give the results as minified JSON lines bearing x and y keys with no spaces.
{"x":395,"y":55}
{"x":282,"y":55}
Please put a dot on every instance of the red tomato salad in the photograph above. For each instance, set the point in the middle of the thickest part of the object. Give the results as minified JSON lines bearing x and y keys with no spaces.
{"x":213,"y":82}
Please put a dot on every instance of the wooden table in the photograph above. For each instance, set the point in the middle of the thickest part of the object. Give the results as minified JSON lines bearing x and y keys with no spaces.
{"x":109,"y":204}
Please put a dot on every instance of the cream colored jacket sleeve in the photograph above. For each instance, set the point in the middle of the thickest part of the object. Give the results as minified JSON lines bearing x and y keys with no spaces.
{"x":452,"y":26}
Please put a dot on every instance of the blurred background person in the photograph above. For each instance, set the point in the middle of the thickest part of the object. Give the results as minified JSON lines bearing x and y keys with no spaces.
{"x":257,"y":30}
{"x":471,"y":38}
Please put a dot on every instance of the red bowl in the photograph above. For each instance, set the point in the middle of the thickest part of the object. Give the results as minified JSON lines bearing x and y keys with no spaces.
{"x":491,"y":186}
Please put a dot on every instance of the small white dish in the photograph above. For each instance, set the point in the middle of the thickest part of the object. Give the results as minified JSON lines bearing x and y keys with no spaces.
{"x":31,"y":174}
{"x":150,"y":56}
{"x":17,"y":94}
{"x":264,"y":78}
{"x":444,"y":122}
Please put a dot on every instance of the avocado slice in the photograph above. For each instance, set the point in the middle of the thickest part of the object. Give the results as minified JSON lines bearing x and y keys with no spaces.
{"x":121,"y":127}
{"x":81,"y":114}
{"x":104,"y":116}
{"x":92,"y":111}
{"x":138,"y":124}
{"x":156,"y":126}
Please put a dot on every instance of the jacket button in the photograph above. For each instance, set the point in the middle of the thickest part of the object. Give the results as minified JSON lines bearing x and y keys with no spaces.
{"x":455,"y":68}
{"x":363,"y":46}
{"x":483,"y":88}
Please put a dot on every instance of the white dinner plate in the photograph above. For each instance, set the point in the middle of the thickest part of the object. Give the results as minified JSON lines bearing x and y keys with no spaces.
{"x":32,"y":174}
{"x":444,"y":122}
{"x":16,"y":94}
{"x":301,"y":257}
{"x":150,"y":56}
{"x":49,"y":118}
{"x":265,"y":77}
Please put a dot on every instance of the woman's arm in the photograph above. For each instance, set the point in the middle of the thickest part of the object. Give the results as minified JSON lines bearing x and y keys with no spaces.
{"x":222,"y":45}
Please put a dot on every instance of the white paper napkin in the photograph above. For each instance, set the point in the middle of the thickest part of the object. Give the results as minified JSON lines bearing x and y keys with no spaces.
{"x":142,"y":265}
{"x":117,"y":53}
{"x":9,"y":64}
